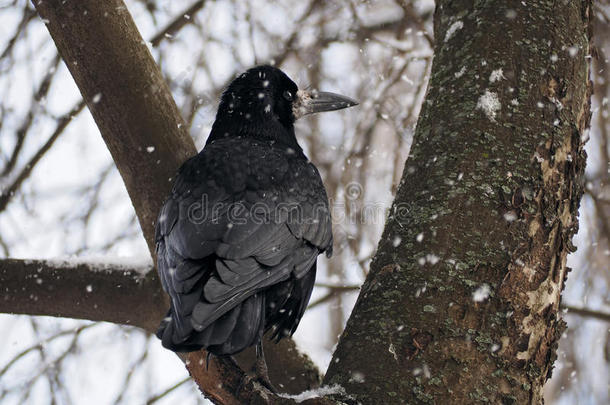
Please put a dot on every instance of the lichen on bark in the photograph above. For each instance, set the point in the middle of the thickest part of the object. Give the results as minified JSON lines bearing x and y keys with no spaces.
{"x":465,"y":308}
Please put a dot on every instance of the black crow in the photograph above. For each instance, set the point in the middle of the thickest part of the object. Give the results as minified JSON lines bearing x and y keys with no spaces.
{"x":238,"y":237}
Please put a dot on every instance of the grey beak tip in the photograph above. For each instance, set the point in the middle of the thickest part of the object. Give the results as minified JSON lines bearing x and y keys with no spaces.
{"x":349,"y":102}
{"x":320,"y":101}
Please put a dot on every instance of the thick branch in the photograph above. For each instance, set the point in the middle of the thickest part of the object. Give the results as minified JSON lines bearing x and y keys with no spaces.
{"x":130,"y":295}
{"x":111,"y":293}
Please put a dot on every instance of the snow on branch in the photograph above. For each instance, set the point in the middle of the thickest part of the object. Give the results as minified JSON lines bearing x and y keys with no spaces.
{"x":117,"y":292}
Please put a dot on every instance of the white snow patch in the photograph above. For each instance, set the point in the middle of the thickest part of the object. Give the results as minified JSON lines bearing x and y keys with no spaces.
{"x":315,"y":393}
{"x":458,"y":25}
{"x":150,"y":149}
{"x":496,"y":76}
{"x":460,"y":73}
{"x":432,"y":258}
{"x":427,"y":373}
{"x":490,"y":104}
{"x":96,"y":98}
{"x":481,"y":293}
{"x":358,"y":377}
{"x":573,"y":50}
{"x":140,"y":265}
{"x":419,"y":237}
{"x":510,"y":216}
{"x":557,"y":103}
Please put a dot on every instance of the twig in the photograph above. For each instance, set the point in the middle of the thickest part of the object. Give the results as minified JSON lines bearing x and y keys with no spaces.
{"x":63,"y":122}
{"x":7,"y":194}
{"x":157,"y":397}
{"x":23,"y":130}
{"x":141,"y":359}
{"x":40,"y":344}
{"x":28,"y":15}
{"x":587,"y":313}
{"x":183,"y":19}
{"x":338,"y":287}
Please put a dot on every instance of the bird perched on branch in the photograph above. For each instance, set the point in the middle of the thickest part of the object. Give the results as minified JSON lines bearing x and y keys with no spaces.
{"x":239,"y":235}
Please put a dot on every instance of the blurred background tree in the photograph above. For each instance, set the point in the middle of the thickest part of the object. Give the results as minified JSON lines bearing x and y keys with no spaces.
{"x":63,"y":197}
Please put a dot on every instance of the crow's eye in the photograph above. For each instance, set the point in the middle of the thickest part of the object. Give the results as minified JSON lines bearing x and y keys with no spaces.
{"x":288,"y":95}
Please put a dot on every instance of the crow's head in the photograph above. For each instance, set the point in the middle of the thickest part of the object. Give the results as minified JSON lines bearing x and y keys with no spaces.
{"x":263,"y":101}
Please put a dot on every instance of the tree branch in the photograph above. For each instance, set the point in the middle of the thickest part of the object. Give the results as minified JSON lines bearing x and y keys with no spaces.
{"x":111,"y":293}
{"x":7,"y":194}
{"x":180,"y":21}
{"x":587,"y":313}
{"x":62,"y":123}
{"x":140,"y":123}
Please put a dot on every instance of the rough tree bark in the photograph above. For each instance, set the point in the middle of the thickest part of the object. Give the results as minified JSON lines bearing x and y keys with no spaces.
{"x":464,"y":310}
{"x":109,"y":293}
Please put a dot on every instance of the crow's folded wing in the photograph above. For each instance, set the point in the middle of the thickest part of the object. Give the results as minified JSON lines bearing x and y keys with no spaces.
{"x":232,"y":228}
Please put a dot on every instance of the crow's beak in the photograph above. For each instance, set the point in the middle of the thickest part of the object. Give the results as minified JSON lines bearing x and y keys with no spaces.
{"x":310,"y":102}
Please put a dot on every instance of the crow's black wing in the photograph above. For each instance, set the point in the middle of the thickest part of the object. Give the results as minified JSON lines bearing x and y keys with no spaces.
{"x":235,"y":225}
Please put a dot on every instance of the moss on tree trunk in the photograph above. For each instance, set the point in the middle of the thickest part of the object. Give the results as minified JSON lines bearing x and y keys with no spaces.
{"x":464,"y":309}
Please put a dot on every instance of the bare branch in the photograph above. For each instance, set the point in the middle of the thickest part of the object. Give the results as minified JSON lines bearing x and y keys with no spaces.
{"x":62,"y":123}
{"x":42,"y":91}
{"x":7,"y":194}
{"x":30,"y":349}
{"x":587,"y":313}
{"x":180,"y":21}
{"x":28,"y":15}
{"x":157,"y":397}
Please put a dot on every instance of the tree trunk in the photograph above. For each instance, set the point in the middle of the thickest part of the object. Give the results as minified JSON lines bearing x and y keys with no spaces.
{"x":465,"y":308}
